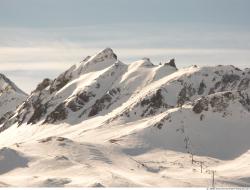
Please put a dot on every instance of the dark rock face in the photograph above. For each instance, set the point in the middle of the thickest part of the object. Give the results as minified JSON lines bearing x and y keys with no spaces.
{"x":231,"y":82}
{"x":171,"y":63}
{"x":161,"y":123}
{"x":7,"y":124}
{"x":6,"y":116}
{"x":201,"y":88}
{"x":153,"y":103}
{"x":31,"y":106}
{"x":185,"y":94}
{"x":103,"y":102}
{"x":228,"y":95}
{"x":244,"y":84}
{"x":115,"y":56}
{"x":100,"y":105}
{"x":59,"y":114}
{"x":202,"y":116}
{"x":147,"y":106}
{"x":245,"y":100}
{"x":44,"y":84}
{"x":80,"y":100}
{"x":23,"y":112}
{"x":220,"y":103}
{"x":228,"y":81}
{"x":201,"y":105}
{"x":39,"y":111}
{"x":230,"y":78}
{"x":61,"y":81}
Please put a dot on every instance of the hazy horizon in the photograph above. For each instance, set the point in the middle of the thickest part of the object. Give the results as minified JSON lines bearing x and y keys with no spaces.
{"x":40,"y":39}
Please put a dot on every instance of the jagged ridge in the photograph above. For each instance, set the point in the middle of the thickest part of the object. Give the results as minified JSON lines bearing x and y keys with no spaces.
{"x":103,"y":85}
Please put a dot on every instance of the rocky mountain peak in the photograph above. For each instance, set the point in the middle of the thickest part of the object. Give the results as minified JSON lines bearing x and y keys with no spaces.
{"x":99,"y":61}
{"x":6,"y":84}
{"x":171,"y":63}
{"x":107,"y":53}
{"x":10,"y":97}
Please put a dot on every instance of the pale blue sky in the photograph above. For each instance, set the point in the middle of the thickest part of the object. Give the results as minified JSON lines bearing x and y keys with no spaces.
{"x":57,"y":13}
{"x":41,"y":38}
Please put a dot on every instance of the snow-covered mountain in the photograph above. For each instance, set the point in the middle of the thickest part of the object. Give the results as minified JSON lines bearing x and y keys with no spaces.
{"x":10,"y":97}
{"x":77,"y":129}
{"x":97,"y":85}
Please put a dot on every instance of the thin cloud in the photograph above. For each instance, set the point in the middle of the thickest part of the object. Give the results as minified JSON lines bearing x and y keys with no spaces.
{"x":53,"y":50}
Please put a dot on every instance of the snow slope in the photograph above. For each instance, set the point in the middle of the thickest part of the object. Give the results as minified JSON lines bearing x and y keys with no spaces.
{"x":10,"y":97}
{"x":105,"y":123}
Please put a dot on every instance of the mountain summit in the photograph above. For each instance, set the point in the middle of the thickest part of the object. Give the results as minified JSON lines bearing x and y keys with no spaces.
{"x":6,"y":84}
{"x":10,"y":97}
